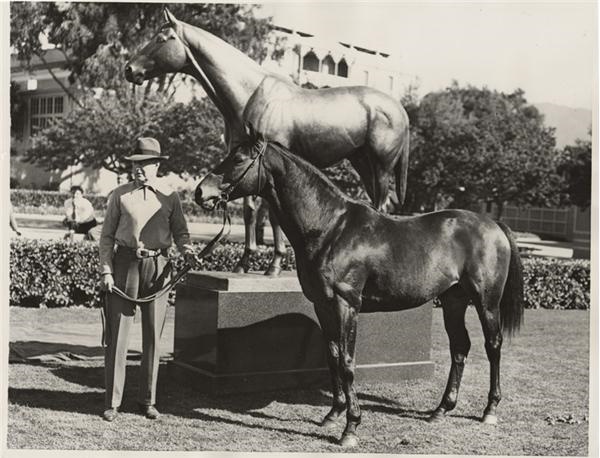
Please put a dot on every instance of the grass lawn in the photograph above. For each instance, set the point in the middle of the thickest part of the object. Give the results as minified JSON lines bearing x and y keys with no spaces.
{"x":544,"y":410}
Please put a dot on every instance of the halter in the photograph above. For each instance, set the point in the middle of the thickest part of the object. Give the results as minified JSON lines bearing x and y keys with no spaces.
{"x":260,"y":149}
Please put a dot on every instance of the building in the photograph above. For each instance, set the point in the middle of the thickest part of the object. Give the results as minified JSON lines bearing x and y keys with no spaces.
{"x":306,"y":59}
{"x":311,"y":61}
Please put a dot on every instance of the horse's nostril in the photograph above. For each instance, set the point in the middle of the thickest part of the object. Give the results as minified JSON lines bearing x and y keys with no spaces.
{"x":198,"y":195}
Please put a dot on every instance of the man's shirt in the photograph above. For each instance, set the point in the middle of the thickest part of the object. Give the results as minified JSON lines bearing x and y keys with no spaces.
{"x":148,"y":216}
{"x":81,"y":208}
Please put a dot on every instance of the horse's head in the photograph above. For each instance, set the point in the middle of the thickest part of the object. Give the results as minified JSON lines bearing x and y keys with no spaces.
{"x":164,"y":53}
{"x":241,"y":173}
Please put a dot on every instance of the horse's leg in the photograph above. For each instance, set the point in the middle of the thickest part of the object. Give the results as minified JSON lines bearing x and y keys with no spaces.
{"x":279,"y":248}
{"x":454,"y":302}
{"x":489,"y":315}
{"x":375,"y":177}
{"x":330,"y":334}
{"x":348,"y":317}
{"x":250,"y":235}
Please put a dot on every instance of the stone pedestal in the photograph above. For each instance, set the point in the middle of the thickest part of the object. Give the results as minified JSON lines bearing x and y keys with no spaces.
{"x":248,"y":332}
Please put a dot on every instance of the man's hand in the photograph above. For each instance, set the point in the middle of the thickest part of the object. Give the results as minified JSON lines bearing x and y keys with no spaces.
{"x":107,"y":282}
{"x":189,"y":254}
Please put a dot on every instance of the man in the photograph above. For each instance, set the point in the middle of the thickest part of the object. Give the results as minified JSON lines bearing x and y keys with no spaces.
{"x":142,"y":217}
{"x":79,"y":214}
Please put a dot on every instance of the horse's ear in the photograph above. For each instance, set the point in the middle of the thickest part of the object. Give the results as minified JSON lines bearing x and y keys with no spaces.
{"x":249,"y":131}
{"x":169,"y":16}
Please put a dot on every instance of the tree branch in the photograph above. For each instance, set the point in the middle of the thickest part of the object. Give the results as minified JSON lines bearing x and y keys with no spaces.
{"x":58,"y":81}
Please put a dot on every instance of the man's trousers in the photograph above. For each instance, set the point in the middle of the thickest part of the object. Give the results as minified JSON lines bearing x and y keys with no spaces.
{"x":136,"y":278}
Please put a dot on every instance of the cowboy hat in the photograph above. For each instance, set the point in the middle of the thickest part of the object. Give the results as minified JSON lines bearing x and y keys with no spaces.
{"x":147,"y":148}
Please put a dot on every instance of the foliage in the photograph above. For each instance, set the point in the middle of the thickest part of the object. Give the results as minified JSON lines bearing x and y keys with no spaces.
{"x":51,"y":203}
{"x":104,"y":131}
{"x":97,"y":39}
{"x":48,"y":273}
{"x":470,"y":145}
{"x":57,"y":273}
{"x":44,"y":199}
{"x":575,"y":165}
{"x":554,"y":284}
{"x":105,"y":32}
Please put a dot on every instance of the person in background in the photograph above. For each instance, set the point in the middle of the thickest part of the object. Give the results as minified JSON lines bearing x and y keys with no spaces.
{"x":12,"y":221}
{"x":142,"y":218}
{"x":79,"y":214}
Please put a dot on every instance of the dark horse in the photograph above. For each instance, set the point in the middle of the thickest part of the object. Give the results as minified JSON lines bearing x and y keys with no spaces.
{"x":351,"y":258}
{"x":324,"y":126}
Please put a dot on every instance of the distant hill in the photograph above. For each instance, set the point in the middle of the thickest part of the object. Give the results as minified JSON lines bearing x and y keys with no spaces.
{"x":570,"y":123}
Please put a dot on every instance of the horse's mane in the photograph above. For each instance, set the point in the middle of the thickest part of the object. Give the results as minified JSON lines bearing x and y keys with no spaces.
{"x":314,"y":176}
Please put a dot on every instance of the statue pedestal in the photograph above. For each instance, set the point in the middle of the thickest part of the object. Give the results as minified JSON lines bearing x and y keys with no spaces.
{"x":248,"y":332}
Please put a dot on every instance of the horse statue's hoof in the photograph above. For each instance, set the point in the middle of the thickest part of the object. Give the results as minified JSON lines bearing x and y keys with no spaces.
{"x":490,"y":419}
{"x":349,"y":440}
{"x":273,"y":271}
{"x":239,"y":269}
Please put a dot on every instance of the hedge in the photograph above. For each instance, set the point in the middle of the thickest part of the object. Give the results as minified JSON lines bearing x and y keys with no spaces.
{"x":52,"y":202}
{"x":57,"y":273}
{"x":50,"y":273}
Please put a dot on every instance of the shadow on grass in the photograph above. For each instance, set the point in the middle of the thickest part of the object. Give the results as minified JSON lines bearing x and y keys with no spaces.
{"x":90,"y":403}
{"x":178,"y":397}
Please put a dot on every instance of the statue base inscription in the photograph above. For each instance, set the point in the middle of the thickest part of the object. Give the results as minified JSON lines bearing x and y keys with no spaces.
{"x":248,"y":332}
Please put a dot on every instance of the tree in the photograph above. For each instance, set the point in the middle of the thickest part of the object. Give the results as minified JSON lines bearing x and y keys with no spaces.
{"x":104,"y":130}
{"x":471,"y":145}
{"x":575,"y":166}
{"x":82,"y":29}
{"x":97,"y":39}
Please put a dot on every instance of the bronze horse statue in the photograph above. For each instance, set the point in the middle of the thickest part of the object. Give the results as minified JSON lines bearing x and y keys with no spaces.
{"x":353,"y":259}
{"x":324,"y":126}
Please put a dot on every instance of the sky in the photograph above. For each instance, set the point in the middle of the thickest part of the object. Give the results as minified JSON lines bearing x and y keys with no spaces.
{"x":548,"y":49}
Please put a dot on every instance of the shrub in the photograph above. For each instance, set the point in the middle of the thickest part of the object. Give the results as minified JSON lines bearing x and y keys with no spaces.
{"x":556,"y":284}
{"x":57,"y":273}
{"x":22,"y":198}
{"x":49,"y":273}
{"x":51,"y":202}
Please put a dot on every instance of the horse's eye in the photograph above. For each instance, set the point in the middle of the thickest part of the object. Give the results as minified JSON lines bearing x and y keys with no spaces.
{"x":238,"y":158}
{"x":160,"y":39}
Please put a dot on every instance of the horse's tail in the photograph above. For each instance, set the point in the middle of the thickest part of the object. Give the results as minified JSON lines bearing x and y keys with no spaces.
{"x":401,"y":169}
{"x":511,"y":303}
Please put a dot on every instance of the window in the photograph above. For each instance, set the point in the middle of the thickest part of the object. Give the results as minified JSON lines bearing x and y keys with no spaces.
{"x":391,"y":83}
{"x":43,"y":110}
{"x":366,"y":78}
{"x":310,"y":62}
{"x":328,"y":65}
{"x":342,"y":68}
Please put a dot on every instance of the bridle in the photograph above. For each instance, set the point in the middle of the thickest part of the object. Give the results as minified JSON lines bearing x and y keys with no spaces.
{"x":260,"y":147}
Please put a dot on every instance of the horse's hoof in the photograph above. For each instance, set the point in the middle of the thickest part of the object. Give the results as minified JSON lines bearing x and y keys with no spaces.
{"x":273,"y":271}
{"x":330,"y":422}
{"x":435,"y":417}
{"x":490,"y":419}
{"x":238,"y":270}
{"x":349,"y":440}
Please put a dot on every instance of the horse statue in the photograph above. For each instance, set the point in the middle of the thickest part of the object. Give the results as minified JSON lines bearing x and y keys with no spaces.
{"x":323,"y":126}
{"x":353,"y":259}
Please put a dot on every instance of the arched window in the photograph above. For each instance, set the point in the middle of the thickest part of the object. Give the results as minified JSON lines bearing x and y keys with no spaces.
{"x":328,"y":65}
{"x":342,"y":68}
{"x":311,"y":62}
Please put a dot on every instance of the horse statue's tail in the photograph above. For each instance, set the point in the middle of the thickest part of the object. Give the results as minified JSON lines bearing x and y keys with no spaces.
{"x":401,"y":170}
{"x":511,"y":304}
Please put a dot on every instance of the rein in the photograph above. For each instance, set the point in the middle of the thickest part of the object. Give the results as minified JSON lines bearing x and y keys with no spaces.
{"x":208,"y":249}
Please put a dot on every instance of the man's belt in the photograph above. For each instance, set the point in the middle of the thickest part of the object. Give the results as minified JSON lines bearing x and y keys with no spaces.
{"x":142,"y":253}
